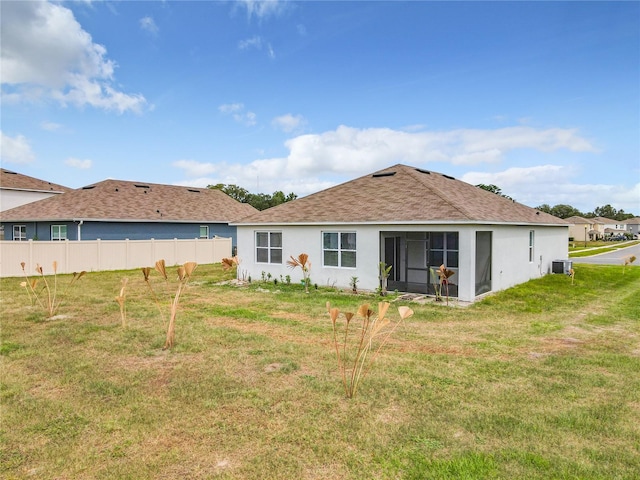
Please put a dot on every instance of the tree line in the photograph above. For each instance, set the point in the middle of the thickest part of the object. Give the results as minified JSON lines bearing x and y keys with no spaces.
{"x":566,"y":211}
{"x":260,"y":201}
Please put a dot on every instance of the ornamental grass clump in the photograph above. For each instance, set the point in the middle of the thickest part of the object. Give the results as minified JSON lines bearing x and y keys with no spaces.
{"x":444,"y":275}
{"x":358,"y":343}
{"x":184,"y":273}
{"x":121,"y":301}
{"x":628,"y":261}
{"x":48,"y":296}
{"x":235,"y":261}
{"x":303,"y":262}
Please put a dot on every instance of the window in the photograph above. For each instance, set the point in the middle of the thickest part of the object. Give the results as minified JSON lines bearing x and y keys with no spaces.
{"x":204,"y":231}
{"x":19,"y":232}
{"x":58,"y":232}
{"x":269,"y":247}
{"x":531,"y":245}
{"x":444,"y":249}
{"x":339,"y":249}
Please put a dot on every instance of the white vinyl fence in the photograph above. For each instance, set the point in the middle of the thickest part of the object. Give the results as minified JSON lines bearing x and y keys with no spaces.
{"x":98,"y":255}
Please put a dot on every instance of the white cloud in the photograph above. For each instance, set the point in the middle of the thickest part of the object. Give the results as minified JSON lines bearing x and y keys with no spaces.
{"x":77,"y":163}
{"x":50,"y":126}
{"x":195,"y":169}
{"x":257,"y":43}
{"x":231,"y":107}
{"x":237,"y":112}
{"x":317,"y":161}
{"x":554,"y":185}
{"x":263,"y":8}
{"x":288,"y":123}
{"x":15,"y":149}
{"x":253,"y":42}
{"x":148,"y":24}
{"x":46,"y":54}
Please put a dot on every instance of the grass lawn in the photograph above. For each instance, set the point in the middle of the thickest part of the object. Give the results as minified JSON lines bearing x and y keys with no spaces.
{"x":540,"y":381}
{"x":595,"y":248}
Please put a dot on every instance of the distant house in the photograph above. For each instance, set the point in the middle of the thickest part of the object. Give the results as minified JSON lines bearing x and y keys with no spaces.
{"x":117,"y":209}
{"x":17,"y":189}
{"x":610,"y":227}
{"x":633,"y":225}
{"x":413,"y":220}
{"x":585,"y":229}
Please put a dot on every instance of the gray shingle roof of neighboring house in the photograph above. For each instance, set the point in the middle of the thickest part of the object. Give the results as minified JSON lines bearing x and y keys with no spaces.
{"x":576,"y":219}
{"x":17,"y":181}
{"x":609,"y":221}
{"x":119,"y":200}
{"x":402,"y":194}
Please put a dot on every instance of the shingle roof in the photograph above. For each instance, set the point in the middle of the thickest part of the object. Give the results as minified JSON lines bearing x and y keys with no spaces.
{"x":577,"y":219}
{"x":17,"y":181}
{"x":400,"y":194}
{"x":114,"y":200}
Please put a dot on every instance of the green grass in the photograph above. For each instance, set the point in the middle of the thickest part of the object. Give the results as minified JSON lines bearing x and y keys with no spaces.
{"x":592,"y":248}
{"x":540,"y":381}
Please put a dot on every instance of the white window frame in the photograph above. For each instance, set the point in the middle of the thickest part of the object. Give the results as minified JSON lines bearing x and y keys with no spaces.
{"x":58,"y":236}
{"x":21,"y":233}
{"x":532,"y":245}
{"x":340,"y":249}
{"x":206,"y":227}
{"x":271,"y":246}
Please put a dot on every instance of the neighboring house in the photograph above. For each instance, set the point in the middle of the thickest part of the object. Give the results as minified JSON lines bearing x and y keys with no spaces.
{"x":117,"y":209}
{"x":584,"y":229}
{"x":610,"y":227}
{"x":413,"y":220}
{"x":17,"y":189}
{"x":633,"y":226}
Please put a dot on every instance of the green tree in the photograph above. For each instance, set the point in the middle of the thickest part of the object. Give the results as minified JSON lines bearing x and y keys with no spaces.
{"x":545,"y":207}
{"x":565,"y":211}
{"x":261,"y":201}
{"x":606,"y":211}
{"x":493,"y":189}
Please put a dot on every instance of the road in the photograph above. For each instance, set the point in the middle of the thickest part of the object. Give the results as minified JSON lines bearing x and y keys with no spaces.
{"x":611,"y":258}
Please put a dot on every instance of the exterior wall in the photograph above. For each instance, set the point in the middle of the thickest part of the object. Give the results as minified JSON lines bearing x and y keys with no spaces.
{"x":297,"y":240}
{"x":15,"y":198}
{"x":510,"y":253}
{"x":122,"y":230}
{"x":580,"y":231}
{"x":511,"y":264}
{"x":633,"y":228}
{"x":98,"y":255}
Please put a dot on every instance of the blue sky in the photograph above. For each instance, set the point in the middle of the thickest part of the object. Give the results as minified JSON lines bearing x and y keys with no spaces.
{"x":539,"y":98}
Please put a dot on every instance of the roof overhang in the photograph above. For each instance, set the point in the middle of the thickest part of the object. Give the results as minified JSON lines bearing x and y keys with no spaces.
{"x":399,"y":223}
{"x":108,"y":220}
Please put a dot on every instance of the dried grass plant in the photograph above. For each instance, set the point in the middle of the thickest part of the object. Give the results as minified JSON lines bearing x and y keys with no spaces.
{"x":48,"y":296}
{"x":358,"y":344}
{"x":303,"y":262}
{"x":444,"y":275}
{"x":184,"y":274}
{"x":121,"y":298}
{"x":234,"y":262}
{"x":628,"y":261}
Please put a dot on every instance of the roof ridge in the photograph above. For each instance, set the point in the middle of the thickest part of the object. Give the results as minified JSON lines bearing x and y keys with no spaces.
{"x":415,"y":173}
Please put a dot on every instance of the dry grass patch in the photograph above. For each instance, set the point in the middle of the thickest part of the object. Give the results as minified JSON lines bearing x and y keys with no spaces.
{"x":522,"y":385}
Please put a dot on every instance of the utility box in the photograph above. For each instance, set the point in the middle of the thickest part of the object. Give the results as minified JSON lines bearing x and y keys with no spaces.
{"x":561,"y":266}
